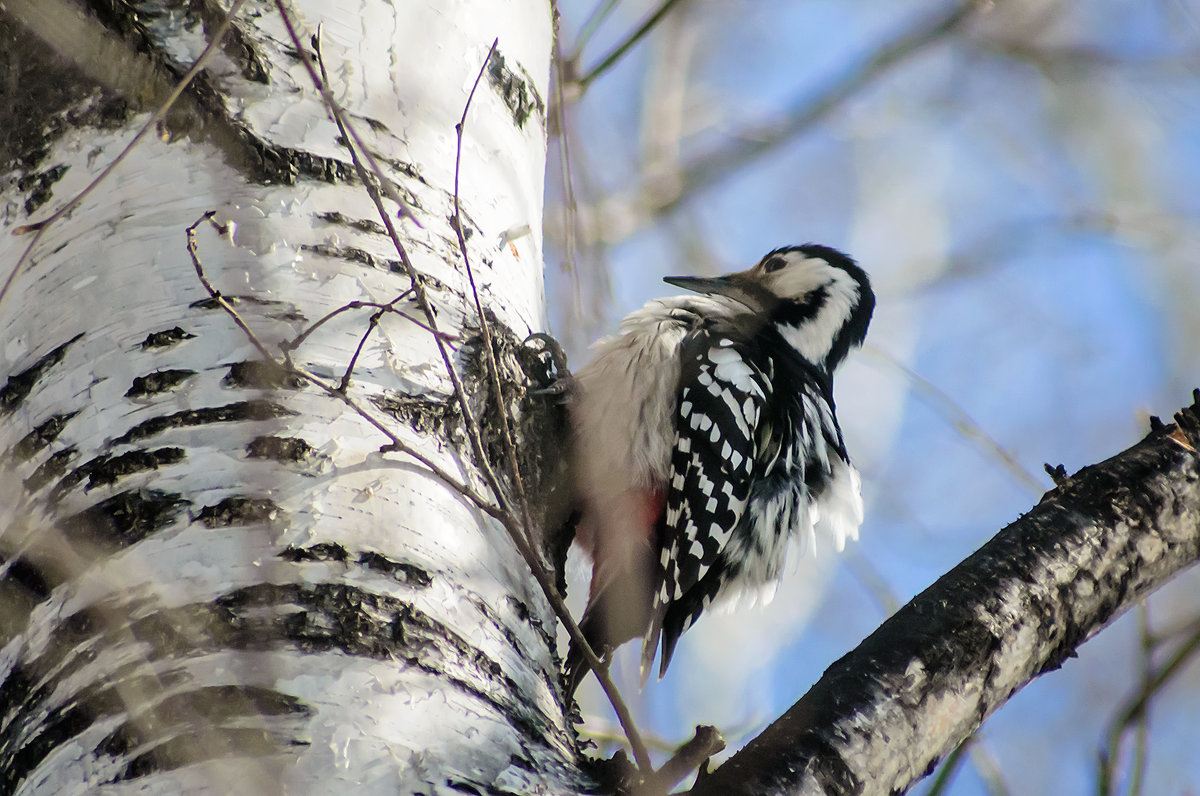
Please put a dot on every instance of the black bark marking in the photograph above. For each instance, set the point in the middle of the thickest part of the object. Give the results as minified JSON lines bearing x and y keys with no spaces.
{"x":285,"y":311}
{"x":258,"y":374}
{"x":18,"y":759}
{"x":516,"y":90}
{"x":18,"y":387}
{"x":211,"y":714}
{"x":52,"y":468}
{"x":237,"y":511}
{"x":322,"y":551}
{"x":126,"y":518}
{"x":230,"y":413}
{"x":311,"y":618}
{"x":158,"y":381}
{"x":418,"y":413}
{"x":400,"y":571}
{"x":24,"y":574}
{"x":41,"y":436}
{"x":166,"y":338}
{"x":360,"y":224}
{"x":40,"y":187}
{"x":271,"y":164}
{"x":183,"y":750}
{"x":23,"y":585}
{"x":106,"y":471}
{"x":103,"y":470}
{"x":353,"y":254}
{"x":282,"y":449}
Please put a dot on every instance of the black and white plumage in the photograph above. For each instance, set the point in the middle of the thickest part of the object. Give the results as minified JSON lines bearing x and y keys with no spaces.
{"x":706,"y":440}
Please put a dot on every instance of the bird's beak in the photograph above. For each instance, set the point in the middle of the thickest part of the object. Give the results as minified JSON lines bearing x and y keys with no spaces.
{"x":734,"y":286}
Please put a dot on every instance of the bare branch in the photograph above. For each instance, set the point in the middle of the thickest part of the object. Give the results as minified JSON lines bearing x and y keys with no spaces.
{"x":1132,"y":711}
{"x":957,"y":417}
{"x":624,"y":213}
{"x":619,"y":51}
{"x":396,"y":443}
{"x":881,"y":716}
{"x":591,"y":25}
{"x":687,"y":758}
{"x":624,"y":715}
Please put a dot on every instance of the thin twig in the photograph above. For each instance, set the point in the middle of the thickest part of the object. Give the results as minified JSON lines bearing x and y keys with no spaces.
{"x":591,"y":25}
{"x":510,"y":445}
{"x":298,"y":340}
{"x":460,"y":394}
{"x":39,"y":227}
{"x":1136,"y":705}
{"x":396,"y":443}
{"x":349,"y":133}
{"x":640,"y":754}
{"x":222,"y":230}
{"x":960,"y":420}
{"x":371,"y":324}
{"x":570,"y":207}
{"x":619,"y":51}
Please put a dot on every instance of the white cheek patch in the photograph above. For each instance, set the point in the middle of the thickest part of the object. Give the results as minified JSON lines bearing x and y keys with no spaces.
{"x":814,"y":338}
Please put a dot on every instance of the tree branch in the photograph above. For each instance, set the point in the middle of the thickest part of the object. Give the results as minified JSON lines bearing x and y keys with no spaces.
{"x":881,"y":717}
{"x":623,"y":213}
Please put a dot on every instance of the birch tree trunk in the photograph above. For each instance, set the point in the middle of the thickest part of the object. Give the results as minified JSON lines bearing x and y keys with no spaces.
{"x":213,"y":579}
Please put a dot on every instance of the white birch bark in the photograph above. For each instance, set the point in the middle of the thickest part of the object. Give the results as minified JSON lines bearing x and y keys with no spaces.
{"x":213,"y":581}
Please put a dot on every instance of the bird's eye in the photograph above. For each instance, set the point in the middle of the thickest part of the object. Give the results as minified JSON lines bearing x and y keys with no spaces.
{"x":774,"y":264}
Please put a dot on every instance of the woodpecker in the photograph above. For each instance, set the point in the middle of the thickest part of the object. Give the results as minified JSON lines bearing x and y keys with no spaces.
{"x":705,"y":440}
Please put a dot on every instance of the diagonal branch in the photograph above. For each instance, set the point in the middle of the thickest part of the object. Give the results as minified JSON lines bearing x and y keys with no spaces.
{"x":618,"y":52}
{"x":882,"y":716}
{"x":650,"y":199}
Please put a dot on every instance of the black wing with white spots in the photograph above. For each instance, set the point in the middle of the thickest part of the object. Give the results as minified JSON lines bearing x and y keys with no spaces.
{"x":713,"y":461}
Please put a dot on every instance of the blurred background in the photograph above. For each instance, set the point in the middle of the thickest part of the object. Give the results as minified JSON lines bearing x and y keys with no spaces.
{"x":1019,"y":180}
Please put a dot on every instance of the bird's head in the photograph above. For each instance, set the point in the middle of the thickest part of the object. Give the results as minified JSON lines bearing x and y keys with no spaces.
{"x":818,"y":299}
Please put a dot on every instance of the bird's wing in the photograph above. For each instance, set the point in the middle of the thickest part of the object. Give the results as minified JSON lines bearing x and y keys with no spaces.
{"x":721,"y":398}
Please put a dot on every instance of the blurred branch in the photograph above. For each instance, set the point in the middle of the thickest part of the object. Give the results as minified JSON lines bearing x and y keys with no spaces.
{"x":1142,"y":729}
{"x":957,"y":417}
{"x":619,"y":51}
{"x":558,"y":119}
{"x":867,"y":574}
{"x":1086,"y":60}
{"x":881,"y":716}
{"x":664,"y":96}
{"x":988,"y":769}
{"x":623,"y":214}
{"x":590,"y":26}
{"x":1133,"y":710}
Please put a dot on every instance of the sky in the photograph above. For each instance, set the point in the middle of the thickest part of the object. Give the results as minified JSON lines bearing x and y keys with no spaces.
{"x":1021,"y":191}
